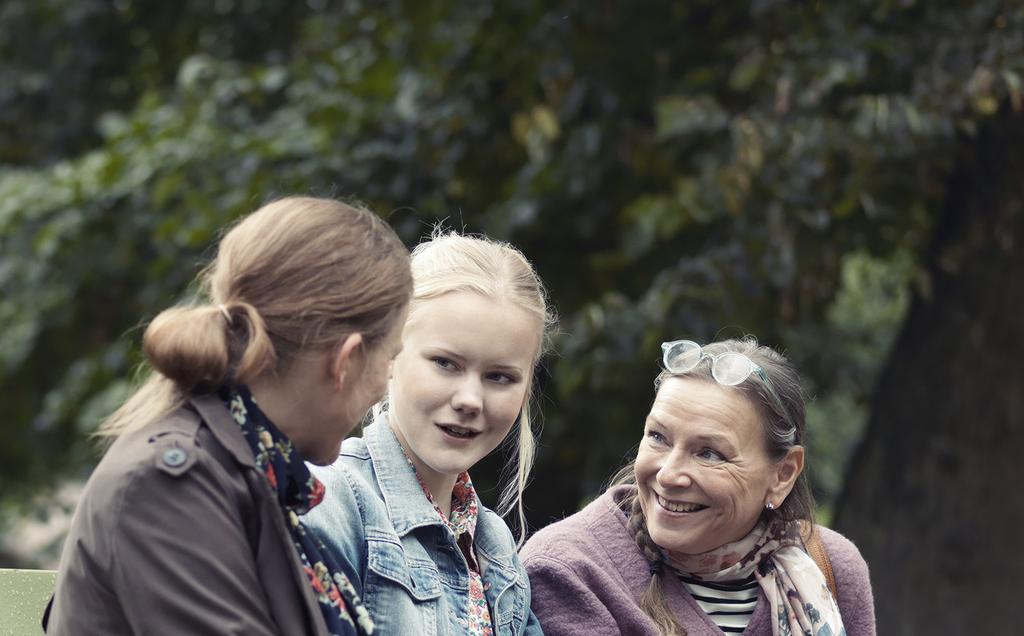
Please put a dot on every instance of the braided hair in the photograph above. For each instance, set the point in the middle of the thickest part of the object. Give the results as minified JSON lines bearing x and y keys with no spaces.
{"x":653,"y":601}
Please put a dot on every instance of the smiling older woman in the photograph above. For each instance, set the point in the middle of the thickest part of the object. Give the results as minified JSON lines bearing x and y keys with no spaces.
{"x":711,"y":529}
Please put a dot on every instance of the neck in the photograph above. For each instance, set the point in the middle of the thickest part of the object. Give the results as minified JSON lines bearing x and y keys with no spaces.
{"x":439,"y":485}
{"x":284,"y":406}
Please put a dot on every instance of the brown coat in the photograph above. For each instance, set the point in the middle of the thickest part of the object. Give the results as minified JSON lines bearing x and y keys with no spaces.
{"x":178,"y":532}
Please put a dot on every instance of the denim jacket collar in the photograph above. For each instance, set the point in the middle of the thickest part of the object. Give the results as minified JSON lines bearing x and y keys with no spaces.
{"x":408,"y":508}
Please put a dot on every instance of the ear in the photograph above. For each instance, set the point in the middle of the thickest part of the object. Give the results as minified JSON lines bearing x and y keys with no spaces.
{"x":786,"y":473}
{"x":341,"y":358}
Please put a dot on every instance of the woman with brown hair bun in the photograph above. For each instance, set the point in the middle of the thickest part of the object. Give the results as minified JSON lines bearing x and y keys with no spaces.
{"x":190,"y":523}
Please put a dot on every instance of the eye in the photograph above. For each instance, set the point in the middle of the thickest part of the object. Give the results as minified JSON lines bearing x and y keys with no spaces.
{"x":443,"y":363}
{"x":656,"y":437}
{"x":501,"y":378}
{"x":711,"y":454}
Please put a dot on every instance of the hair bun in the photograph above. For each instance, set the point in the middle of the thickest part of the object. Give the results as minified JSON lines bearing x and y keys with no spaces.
{"x":189,"y":345}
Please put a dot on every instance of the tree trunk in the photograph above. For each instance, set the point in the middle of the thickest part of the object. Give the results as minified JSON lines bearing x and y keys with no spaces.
{"x":934,"y":495}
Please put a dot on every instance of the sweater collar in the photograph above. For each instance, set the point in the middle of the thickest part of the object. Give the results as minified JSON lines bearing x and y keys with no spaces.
{"x":627,"y":558}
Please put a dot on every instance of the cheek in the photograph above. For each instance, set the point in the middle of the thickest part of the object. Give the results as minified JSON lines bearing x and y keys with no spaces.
{"x":416,"y":394}
{"x":377,"y":383}
{"x":504,"y":408}
{"x":398,"y":386}
{"x":645,"y":468}
{"x":738,"y":486}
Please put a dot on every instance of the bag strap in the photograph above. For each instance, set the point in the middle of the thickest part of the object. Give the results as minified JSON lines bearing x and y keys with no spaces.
{"x":816,"y":549}
{"x":46,"y":613}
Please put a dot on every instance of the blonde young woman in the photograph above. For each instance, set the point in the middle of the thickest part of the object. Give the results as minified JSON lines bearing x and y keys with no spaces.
{"x":711,"y":529}
{"x":428,"y":557}
{"x":189,"y":524}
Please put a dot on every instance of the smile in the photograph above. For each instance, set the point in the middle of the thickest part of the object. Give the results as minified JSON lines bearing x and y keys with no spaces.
{"x":458,"y":432}
{"x":673,"y":506}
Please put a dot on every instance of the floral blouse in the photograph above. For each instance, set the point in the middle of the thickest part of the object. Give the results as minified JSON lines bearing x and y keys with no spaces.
{"x":462,"y":523}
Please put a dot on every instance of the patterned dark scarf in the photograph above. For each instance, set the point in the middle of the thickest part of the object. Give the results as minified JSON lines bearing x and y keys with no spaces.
{"x":298,"y":492}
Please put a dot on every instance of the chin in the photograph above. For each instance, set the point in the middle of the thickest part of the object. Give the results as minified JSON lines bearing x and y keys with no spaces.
{"x":324,"y":456}
{"x":671,"y":540}
{"x":665,"y":540}
{"x":445,"y":468}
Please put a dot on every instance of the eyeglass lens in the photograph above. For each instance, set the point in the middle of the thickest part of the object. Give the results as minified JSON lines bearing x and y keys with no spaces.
{"x":731,"y":368}
{"x":683,"y":356}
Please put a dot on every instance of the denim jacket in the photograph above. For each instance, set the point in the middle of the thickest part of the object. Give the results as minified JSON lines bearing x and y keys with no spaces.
{"x":378,"y":523}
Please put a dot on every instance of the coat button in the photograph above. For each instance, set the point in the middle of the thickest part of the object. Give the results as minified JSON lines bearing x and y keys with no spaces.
{"x":174,"y":457}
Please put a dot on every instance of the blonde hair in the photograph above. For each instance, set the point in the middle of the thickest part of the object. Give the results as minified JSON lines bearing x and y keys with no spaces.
{"x":296,"y":275}
{"x":450,"y":262}
{"x":782,"y":431}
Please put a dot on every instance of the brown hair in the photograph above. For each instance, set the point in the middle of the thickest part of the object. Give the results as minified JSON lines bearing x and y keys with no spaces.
{"x":783,"y":423}
{"x":296,"y":275}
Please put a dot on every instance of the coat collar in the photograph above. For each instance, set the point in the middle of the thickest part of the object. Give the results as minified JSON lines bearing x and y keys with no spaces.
{"x":229,"y":435}
{"x":224,"y":429}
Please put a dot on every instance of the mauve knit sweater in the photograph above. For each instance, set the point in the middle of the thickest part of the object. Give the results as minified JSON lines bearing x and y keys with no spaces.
{"x":587,"y":575}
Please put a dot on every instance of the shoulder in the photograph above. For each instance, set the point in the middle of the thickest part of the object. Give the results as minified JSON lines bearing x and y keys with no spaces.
{"x":847,"y":563}
{"x":492,"y":529}
{"x":152,"y":478}
{"x":580,"y":539}
{"x":853,"y":583}
{"x":346,"y":497}
{"x":352,"y":497}
{"x":169,"y":449}
{"x":351,"y":476}
{"x":556,"y":537}
{"x":355,"y":448}
{"x":590,"y":558}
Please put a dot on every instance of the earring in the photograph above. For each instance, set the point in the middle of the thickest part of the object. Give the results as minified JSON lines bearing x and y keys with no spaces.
{"x":769,"y":506}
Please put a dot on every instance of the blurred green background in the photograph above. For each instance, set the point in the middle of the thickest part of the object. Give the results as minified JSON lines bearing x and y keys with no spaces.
{"x":841,"y":179}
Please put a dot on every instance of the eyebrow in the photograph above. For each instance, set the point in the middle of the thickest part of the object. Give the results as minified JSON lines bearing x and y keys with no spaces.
{"x":652,"y":420}
{"x":714,"y":438}
{"x":508,"y":368}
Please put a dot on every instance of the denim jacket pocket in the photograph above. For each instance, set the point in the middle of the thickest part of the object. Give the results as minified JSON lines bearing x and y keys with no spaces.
{"x":418,"y":577}
{"x":510,"y":606}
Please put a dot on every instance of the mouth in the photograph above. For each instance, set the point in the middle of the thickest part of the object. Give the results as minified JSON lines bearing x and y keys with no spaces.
{"x":457,"y":432}
{"x":679,"y":506}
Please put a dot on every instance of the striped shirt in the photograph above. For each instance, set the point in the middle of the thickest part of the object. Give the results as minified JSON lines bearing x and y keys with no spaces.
{"x":729,"y":604}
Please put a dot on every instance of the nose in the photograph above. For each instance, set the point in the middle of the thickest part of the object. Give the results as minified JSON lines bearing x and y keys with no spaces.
{"x":467,"y":400}
{"x":676,"y":471}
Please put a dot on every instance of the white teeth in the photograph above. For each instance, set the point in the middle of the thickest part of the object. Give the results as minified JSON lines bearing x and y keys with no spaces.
{"x":679,"y":507}
{"x":458,"y":432}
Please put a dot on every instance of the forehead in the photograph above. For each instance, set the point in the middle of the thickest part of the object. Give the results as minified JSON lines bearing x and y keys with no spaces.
{"x":698,"y":405}
{"x":473,"y":325}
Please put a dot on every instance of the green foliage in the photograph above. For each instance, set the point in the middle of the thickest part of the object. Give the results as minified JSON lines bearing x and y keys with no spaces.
{"x":696,"y":169}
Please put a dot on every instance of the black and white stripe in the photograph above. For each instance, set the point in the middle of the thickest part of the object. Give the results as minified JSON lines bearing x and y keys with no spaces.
{"x":729,"y":604}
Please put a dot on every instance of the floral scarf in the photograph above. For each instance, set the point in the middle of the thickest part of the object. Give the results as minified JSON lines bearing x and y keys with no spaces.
{"x":796,"y":590}
{"x":298,"y":492}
